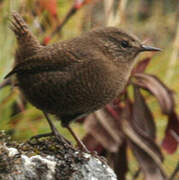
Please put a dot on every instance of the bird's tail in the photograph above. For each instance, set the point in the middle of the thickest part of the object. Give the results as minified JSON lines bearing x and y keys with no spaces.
{"x":18,"y":26}
{"x":27,"y":42}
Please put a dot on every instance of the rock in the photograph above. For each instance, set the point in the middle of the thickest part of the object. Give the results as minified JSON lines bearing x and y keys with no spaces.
{"x":49,"y":159}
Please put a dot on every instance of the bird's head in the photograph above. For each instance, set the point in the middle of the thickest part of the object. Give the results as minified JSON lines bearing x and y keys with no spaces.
{"x":120,"y":46}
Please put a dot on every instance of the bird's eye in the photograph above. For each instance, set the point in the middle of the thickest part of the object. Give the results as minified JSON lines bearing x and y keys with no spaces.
{"x":125,"y":44}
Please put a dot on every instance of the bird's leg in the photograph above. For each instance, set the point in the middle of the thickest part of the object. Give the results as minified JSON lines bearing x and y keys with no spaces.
{"x":79,"y":142}
{"x":82,"y":146}
{"x":54,"y":132}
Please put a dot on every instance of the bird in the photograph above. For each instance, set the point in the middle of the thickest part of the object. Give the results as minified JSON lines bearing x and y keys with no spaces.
{"x":73,"y":78}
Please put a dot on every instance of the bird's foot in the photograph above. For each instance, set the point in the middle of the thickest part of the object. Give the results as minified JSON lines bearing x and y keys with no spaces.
{"x":80,"y":144}
{"x":83,"y":148}
{"x":55,"y":133}
{"x":59,"y":137}
{"x":39,"y":136}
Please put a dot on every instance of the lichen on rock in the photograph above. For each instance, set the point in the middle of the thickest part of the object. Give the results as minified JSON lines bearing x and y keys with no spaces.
{"x":49,"y":159}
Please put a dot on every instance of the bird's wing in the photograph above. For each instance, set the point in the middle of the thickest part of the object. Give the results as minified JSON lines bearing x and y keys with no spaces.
{"x":36,"y":64}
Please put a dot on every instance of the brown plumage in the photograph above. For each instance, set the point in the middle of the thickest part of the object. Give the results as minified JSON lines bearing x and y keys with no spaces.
{"x":74,"y":77}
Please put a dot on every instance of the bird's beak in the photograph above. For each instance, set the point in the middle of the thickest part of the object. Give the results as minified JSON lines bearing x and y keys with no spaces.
{"x":149,"y":48}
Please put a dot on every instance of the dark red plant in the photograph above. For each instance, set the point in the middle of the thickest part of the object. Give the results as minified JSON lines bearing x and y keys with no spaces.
{"x":129,"y":123}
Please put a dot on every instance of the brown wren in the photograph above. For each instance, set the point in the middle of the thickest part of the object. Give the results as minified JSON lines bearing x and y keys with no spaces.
{"x":76,"y":77}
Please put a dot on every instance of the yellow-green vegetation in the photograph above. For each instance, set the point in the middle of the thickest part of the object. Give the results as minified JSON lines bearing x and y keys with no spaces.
{"x":157,"y":21}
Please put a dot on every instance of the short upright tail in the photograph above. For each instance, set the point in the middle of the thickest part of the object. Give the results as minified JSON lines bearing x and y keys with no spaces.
{"x":18,"y":25}
{"x":28,"y":44}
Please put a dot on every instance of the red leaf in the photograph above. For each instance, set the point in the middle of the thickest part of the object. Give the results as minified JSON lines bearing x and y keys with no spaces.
{"x":50,"y":6}
{"x":142,"y":116}
{"x":146,"y":151}
{"x":144,"y":148}
{"x":166,"y":101}
{"x":158,"y":89}
{"x":137,"y":134}
{"x":104,"y":128}
{"x":148,"y":165}
{"x":118,"y":161}
{"x":141,"y":66}
{"x":171,"y":139}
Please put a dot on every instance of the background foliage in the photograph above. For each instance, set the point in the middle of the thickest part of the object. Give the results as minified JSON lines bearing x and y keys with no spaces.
{"x":155,"y":21}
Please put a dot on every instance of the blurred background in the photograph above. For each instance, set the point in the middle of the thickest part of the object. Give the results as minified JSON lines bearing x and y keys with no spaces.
{"x":156,"y":22}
